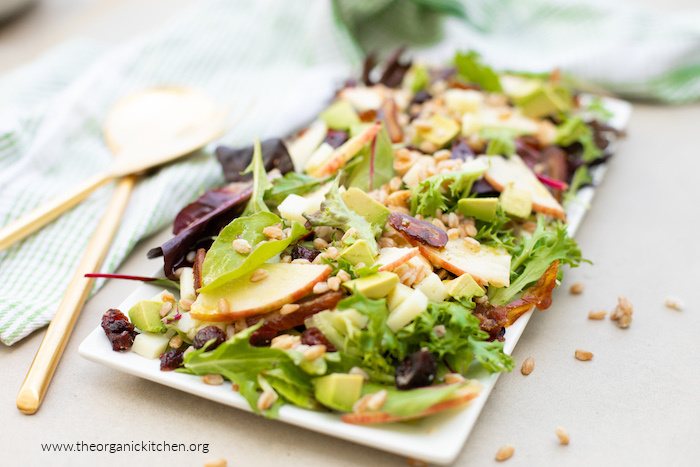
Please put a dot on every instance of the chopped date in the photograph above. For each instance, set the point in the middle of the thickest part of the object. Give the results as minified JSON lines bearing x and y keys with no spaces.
{"x":418,"y":230}
{"x":307,"y":307}
{"x":171,"y":360}
{"x":206,"y":334}
{"x":119,"y":330}
{"x":301,"y":252}
{"x":314,"y":336}
{"x":197,"y":269}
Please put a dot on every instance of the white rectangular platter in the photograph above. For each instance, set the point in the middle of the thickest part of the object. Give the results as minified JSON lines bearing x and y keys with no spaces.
{"x":437,"y":439}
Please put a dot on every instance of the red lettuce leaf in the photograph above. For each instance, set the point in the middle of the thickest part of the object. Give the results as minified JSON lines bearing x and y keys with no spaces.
{"x":200,"y":232}
{"x":235,"y":160}
{"x":205,"y":204}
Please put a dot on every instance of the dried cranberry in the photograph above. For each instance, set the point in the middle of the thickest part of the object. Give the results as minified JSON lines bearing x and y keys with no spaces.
{"x":482,"y":189}
{"x":314,"y":336}
{"x":461,"y":150}
{"x":417,"y":370}
{"x":206,"y":334}
{"x":262,"y":336}
{"x":118,"y":329}
{"x":421,"y":96}
{"x":419,"y":230}
{"x":304,"y":253}
{"x":336,"y":138}
{"x":171,"y":360}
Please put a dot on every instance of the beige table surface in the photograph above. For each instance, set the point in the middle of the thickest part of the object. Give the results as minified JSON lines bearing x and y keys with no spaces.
{"x":637,"y":402}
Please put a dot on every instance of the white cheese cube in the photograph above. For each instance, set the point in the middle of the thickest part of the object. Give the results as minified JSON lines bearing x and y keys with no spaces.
{"x":151,"y":344}
{"x":187,"y":284}
{"x":433,"y":288}
{"x":294,"y":206}
{"x":461,"y":101}
{"x":363,"y":99}
{"x":397,"y":295}
{"x":186,"y":324}
{"x":471,"y":125}
{"x":415,"y":304}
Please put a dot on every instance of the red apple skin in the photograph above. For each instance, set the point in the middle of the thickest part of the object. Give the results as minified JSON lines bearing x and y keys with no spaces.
{"x":401,"y":260}
{"x":547,"y":210}
{"x":437,"y":259}
{"x":293,"y":296}
{"x":382,"y":417}
{"x":346,"y":152}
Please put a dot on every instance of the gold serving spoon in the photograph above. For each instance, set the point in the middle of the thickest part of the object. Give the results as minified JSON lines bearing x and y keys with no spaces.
{"x":144,"y":130}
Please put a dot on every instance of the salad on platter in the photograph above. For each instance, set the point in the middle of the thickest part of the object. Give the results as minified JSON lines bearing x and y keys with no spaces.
{"x":371,"y":264}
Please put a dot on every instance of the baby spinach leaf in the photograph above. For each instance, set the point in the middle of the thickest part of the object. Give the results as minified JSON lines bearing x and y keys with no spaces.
{"x":223,"y":263}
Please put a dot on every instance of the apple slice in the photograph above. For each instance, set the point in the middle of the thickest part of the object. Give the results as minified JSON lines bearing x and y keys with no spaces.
{"x":344,"y":153}
{"x":286,"y":283}
{"x":503,"y":172}
{"x":487,"y":265}
{"x":300,"y":149}
{"x":392,"y":257}
{"x":461,"y":397}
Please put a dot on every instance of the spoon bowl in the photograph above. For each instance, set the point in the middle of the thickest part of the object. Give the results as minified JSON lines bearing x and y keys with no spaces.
{"x":144,"y":130}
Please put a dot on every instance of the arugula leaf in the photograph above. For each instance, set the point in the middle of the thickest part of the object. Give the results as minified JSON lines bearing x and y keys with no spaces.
{"x":335,"y":213}
{"x":470,"y":67}
{"x":381,"y":167}
{"x":241,"y":363}
{"x":260,"y":183}
{"x":443,"y":191}
{"x":533,"y":256}
{"x":223,"y":263}
{"x":292,"y":183}
{"x":575,"y":130}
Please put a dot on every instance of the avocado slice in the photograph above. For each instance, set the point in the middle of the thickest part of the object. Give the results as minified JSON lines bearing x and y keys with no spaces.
{"x":340,"y":116}
{"x":375,"y":286}
{"x":483,"y":209}
{"x":145,"y":315}
{"x":372,"y":210}
{"x":463,"y":286}
{"x":443,"y":131}
{"x":516,"y":201}
{"x":358,"y":252}
{"x":338,"y":391}
{"x":544,"y":100}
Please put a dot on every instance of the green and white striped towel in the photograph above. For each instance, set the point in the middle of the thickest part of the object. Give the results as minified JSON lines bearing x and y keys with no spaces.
{"x":284,"y":59}
{"x":622,"y":48}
